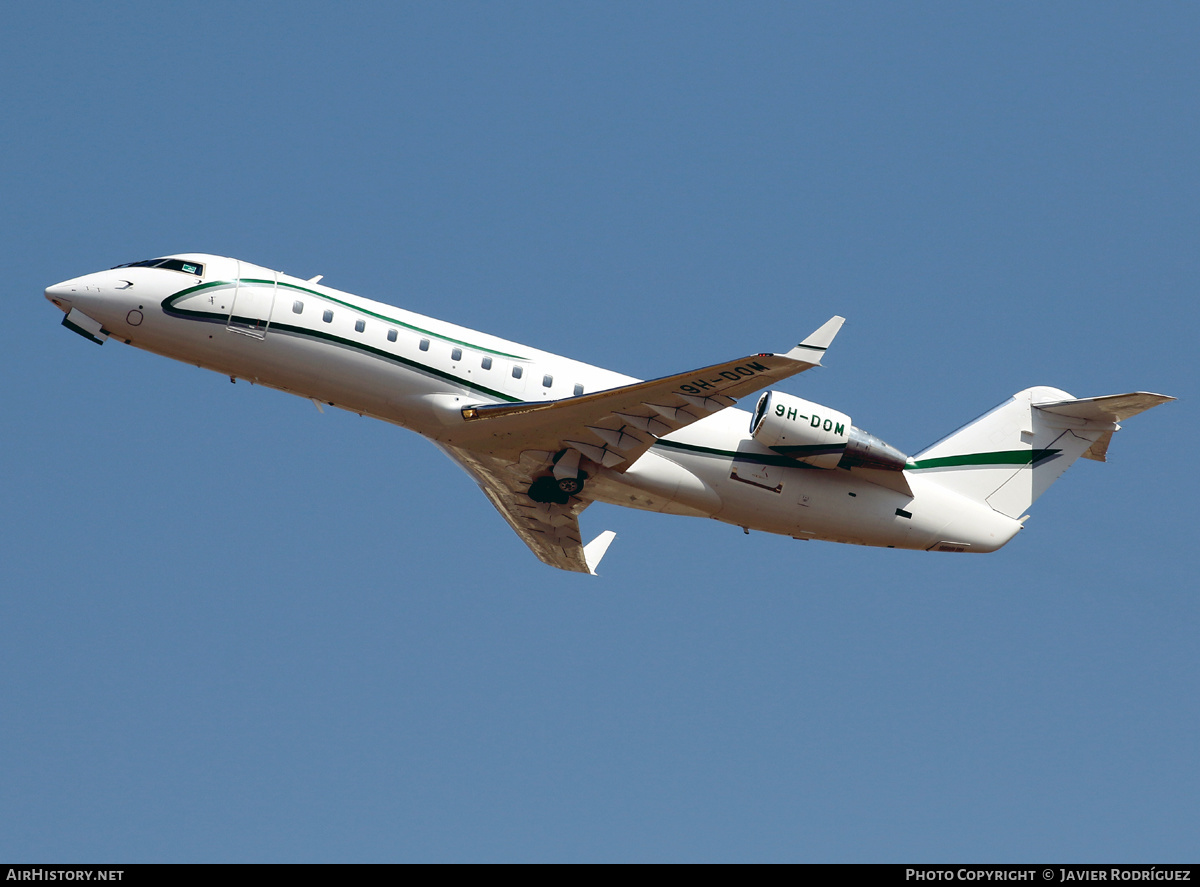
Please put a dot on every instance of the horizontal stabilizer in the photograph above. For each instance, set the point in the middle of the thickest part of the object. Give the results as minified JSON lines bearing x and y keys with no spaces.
{"x":1109,"y":408}
{"x":1104,"y":411}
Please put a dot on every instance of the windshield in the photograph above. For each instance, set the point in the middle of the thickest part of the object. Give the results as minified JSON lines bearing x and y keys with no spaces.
{"x":169,"y":264}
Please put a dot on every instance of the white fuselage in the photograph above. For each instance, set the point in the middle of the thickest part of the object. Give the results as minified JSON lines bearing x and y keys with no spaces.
{"x":249,"y":322}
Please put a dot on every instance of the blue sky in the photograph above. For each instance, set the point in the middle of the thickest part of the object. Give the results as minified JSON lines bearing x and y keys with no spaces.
{"x":237,"y":629}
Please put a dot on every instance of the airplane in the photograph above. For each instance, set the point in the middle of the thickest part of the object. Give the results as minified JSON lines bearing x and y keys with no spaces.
{"x":544,"y":436}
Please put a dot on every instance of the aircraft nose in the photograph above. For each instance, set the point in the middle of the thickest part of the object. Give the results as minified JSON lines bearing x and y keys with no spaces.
{"x":64,"y":294}
{"x":79,"y":292}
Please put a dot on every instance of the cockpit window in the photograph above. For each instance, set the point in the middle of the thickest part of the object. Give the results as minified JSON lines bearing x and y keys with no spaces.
{"x":169,"y":264}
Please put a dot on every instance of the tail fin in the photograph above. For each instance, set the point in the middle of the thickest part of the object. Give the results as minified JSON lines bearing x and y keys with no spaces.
{"x":1011,"y":454}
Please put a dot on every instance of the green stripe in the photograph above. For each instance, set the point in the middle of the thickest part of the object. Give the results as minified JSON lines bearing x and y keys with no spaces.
{"x":1000,"y":457}
{"x":282,"y":328}
{"x":394,"y":358}
{"x":169,"y":302}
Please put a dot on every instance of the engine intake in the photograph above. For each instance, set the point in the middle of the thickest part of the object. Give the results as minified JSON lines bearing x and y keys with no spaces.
{"x":808,"y":432}
{"x":819,"y":436}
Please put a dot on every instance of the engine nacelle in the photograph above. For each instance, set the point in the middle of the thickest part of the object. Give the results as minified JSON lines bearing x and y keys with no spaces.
{"x":806,"y":431}
{"x":817,"y":435}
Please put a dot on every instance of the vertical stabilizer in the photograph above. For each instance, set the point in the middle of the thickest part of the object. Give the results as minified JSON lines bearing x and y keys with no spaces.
{"x":1011,"y":454}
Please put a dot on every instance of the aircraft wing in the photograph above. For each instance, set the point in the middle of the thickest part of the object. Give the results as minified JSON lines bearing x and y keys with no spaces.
{"x":614,"y":427}
{"x":551,"y":531}
{"x":506,"y":448}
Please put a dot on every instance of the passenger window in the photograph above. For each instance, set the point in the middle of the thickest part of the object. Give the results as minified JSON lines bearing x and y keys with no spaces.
{"x":578,"y":390}
{"x":547,"y":381}
{"x":517,"y":372}
{"x":424,"y":346}
{"x":486,"y":363}
{"x":391,"y":335}
{"x":456,"y":354}
{"x":359,"y":326}
{"x":327,"y":317}
{"x":297,"y":307}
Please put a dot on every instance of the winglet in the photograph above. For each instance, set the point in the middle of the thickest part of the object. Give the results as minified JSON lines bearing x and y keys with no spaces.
{"x":594,"y":550}
{"x":812,"y":349}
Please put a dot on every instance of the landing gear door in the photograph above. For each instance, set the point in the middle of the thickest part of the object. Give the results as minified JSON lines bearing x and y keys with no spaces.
{"x":251,"y":306}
